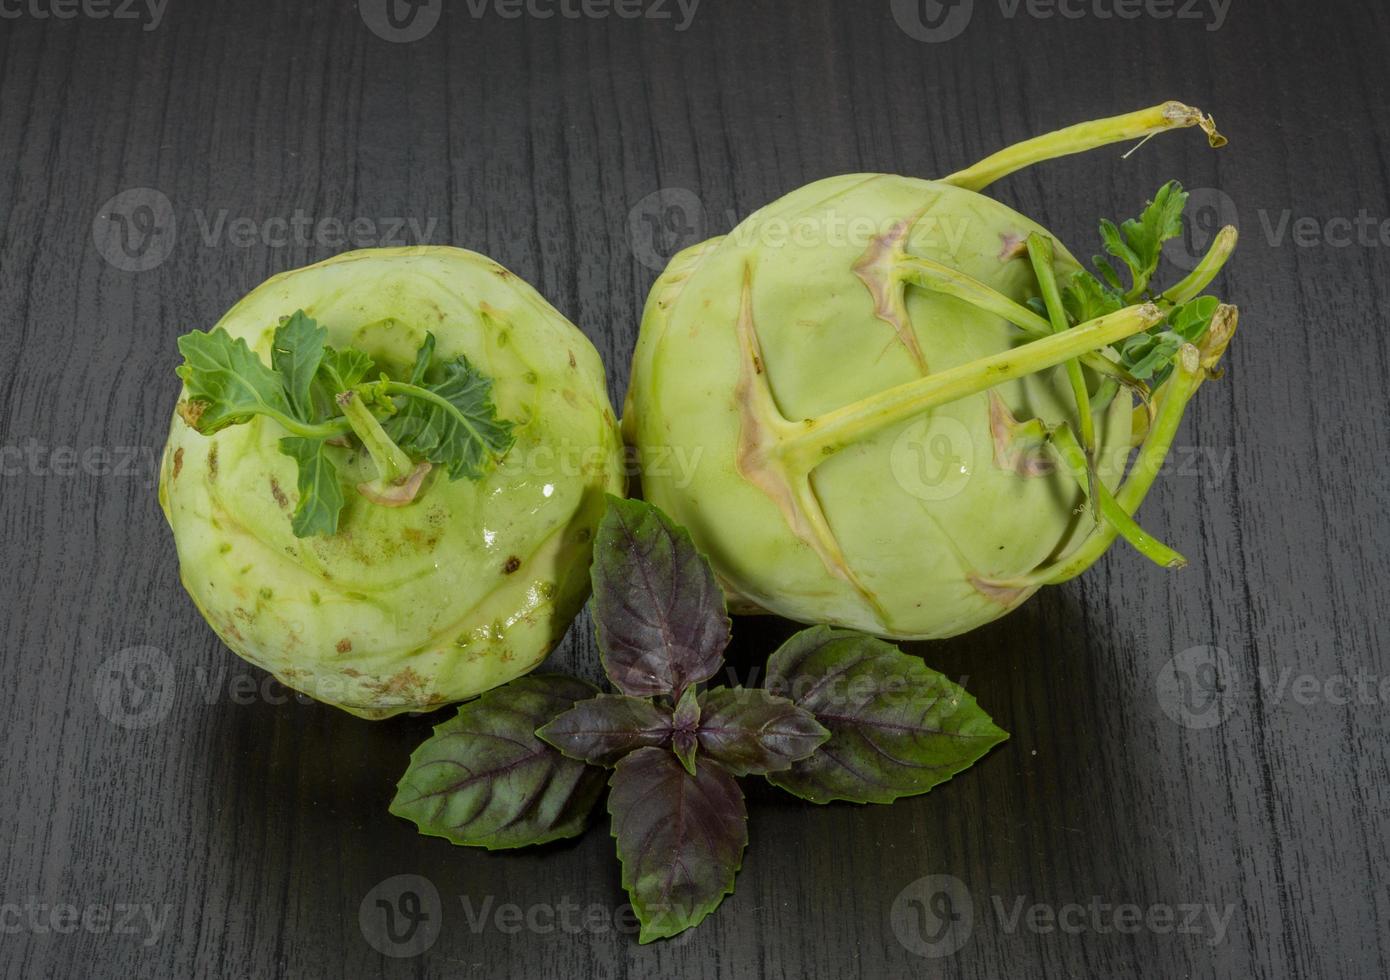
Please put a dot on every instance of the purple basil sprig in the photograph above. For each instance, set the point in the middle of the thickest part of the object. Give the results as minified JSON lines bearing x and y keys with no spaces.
{"x":841,"y":716}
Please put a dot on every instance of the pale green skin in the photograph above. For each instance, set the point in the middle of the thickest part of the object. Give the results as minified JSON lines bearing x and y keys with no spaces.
{"x":471,"y":584}
{"x":920,"y":568}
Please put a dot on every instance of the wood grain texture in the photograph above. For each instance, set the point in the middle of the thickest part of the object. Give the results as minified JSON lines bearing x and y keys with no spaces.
{"x":258,"y":830}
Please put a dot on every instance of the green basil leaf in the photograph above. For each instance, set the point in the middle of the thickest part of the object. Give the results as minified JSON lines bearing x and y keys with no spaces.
{"x":485,"y":780}
{"x":897,"y":728}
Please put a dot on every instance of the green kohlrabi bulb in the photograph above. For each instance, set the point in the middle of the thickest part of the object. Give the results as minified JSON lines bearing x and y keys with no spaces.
{"x":431,"y":588}
{"x":887,"y":419}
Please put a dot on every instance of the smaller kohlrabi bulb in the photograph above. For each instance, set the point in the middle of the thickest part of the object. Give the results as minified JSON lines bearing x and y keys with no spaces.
{"x":899,"y":406}
{"x":408,"y":521}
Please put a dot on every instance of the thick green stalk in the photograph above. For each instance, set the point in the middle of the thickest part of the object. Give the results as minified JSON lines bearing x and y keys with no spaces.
{"x":392,"y":464}
{"x":932,"y":275}
{"x":1086,"y":136}
{"x":1191,"y":286}
{"x":1193,"y":367}
{"x":1115,"y":517}
{"x":1041,"y":254}
{"x":817,"y":438}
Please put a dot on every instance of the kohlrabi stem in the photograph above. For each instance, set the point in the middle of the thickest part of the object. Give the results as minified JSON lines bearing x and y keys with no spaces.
{"x":1192,"y":367}
{"x":817,"y":438}
{"x":1042,"y":255}
{"x":932,"y":275}
{"x":1086,"y":136}
{"x":392,"y":464}
{"x":1190,"y":287}
{"x":1115,"y":518}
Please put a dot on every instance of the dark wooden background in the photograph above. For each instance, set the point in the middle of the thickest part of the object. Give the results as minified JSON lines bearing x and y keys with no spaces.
{"x":1144,"y":768}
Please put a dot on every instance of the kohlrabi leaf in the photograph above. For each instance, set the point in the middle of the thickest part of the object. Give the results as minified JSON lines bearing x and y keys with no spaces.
{"x":680,"y":838}
{"x":1085,"y":298}
{"x":658,"y":611}
{"x":897,"y":728}
{"x":321,"y":496}
{"x":1138,"y":243}
{"x":485,"y":780}
{"x":296,"y":351}
{"x":227,"y":382}
{"x":450,"y":420}
{"x":602,"y":730}
{"x":747,"y":730}
{"x":685,"y":726}
{"x":338,"y":371}
{"x":1149,"y":356}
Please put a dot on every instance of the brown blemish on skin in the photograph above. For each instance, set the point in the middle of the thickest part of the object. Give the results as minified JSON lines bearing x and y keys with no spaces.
{"x":1019,"y":447}
{"x":344,"y":645}
{"x":191,"y":412}
{"x":1013,"y":246}
{"x":513,"y":563}
{"x":1006,"y":595}
{"x":351,"y":672}
{"x":178,"y":462}
{"x":876,"y":269}
{"x":414,"y":536}
{"x":212,"y":461}
{"x":399,"y":683}
{"x":573,"y":362}
{"x":278,"y":494}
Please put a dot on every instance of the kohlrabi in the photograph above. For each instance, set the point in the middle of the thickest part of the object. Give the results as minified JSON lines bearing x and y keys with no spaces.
{"x":911,"y":406}
{"x":384,"y":477}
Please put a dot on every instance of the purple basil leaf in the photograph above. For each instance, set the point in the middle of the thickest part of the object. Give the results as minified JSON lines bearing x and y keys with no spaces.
{"x":747,"y":730}
{"x":685,"y":723}
{"x":680,"y":838}
{"x":658,"y":610}
{"x":484,"y":779}
{"x":602,"y":730}
{"x":897,"y":727}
